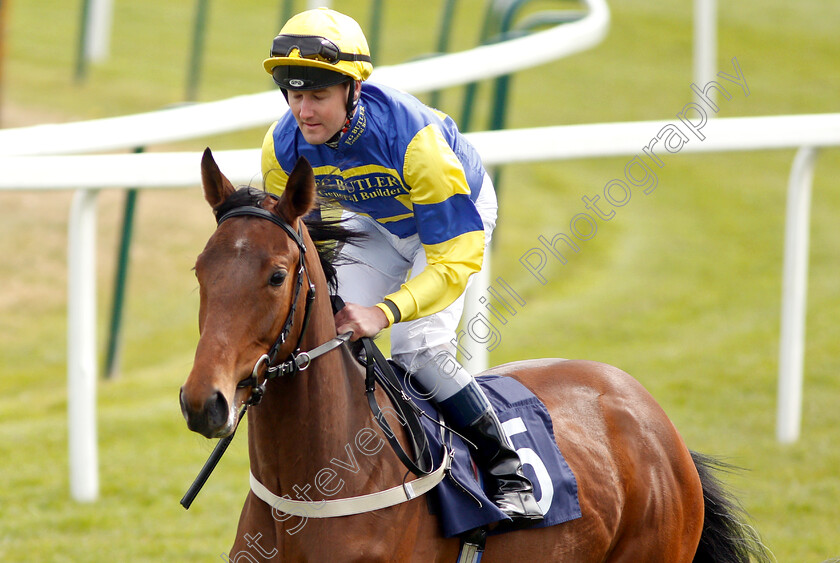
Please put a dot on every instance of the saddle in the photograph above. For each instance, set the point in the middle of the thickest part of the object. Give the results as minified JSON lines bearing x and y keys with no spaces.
{"x":459,"y":500}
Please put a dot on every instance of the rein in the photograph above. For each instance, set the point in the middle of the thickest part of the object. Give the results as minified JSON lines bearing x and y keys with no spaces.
{"x":408,"y":411}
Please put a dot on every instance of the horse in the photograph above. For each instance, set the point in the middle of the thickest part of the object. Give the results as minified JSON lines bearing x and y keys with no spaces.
{"x":644,"y":496}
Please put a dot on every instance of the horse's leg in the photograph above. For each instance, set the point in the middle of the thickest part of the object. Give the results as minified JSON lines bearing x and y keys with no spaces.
{"x":664,"y":497}
{"x":256,"y":536}
{"x":655,"y":487}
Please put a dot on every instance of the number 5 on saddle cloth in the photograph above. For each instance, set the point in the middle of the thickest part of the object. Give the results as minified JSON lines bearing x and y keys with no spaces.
{"x":460,"y":500}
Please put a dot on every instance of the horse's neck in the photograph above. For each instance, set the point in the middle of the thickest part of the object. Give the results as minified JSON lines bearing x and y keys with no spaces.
{"x":314,"y":421}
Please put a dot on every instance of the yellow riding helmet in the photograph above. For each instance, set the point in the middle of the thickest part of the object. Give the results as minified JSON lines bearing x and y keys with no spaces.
{"x":319,"y":40}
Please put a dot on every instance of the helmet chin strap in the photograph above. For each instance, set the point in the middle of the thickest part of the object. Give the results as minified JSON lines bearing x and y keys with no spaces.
{"x":351,"y":98}
{"x":333,"y":141}
{"x":352,"y":102}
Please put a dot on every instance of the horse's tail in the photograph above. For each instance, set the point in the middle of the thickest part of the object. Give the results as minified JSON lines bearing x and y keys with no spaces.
{"x":727,"y":538}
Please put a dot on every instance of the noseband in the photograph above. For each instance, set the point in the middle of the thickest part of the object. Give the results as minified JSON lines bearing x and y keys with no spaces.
{"x":297,"y":361}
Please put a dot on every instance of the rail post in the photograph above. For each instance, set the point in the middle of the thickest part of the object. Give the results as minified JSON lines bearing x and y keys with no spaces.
{"x":794,"y":296}
{"x":197,"y":54}
{"x":81,"y":347}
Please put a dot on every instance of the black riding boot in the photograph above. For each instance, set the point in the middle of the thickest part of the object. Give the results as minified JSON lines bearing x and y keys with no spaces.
{"x":510,"y":490}
{"x":470,"y":414}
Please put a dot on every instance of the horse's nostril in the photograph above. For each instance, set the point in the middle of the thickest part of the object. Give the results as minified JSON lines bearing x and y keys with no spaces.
{"x":210,"y":418}
{"x":184,"y":410}
{"x":217,"y":410}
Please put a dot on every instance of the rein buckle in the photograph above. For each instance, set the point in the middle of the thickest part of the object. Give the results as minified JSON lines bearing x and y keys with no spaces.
{"x":303,"y":360}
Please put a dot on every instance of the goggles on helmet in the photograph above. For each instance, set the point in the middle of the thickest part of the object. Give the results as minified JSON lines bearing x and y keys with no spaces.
{"x":312,"y":47}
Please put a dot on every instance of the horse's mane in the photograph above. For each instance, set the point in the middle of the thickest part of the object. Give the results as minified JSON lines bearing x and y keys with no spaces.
{"x":327,"y":234}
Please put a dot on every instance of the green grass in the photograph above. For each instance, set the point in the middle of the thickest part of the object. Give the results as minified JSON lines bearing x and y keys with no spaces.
{"x":681,"y":288}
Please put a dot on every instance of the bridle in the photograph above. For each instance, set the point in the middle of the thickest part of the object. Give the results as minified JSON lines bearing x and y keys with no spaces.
{"x":300,"y":361}
{"x":297,"y":361}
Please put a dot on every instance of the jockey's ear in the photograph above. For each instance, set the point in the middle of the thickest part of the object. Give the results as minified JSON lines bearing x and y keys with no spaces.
{"x":299,"y":196}
{"x":217,"y":188}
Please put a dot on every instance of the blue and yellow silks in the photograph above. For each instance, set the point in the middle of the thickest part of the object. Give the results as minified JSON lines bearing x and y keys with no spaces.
{"x":407,"y":167}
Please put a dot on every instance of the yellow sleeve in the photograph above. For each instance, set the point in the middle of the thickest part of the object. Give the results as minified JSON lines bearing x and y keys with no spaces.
{"x":440,"y":194}
{"x":274,"y":179}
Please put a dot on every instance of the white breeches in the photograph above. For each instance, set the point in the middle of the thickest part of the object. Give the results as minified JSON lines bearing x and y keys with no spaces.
{"x":381,"y":263}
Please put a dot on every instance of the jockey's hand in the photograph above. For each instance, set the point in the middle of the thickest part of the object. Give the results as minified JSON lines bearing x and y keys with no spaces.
{"x":363,"y":321}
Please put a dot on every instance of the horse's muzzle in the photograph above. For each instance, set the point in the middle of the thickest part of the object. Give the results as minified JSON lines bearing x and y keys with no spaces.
{"x":212,"y":420}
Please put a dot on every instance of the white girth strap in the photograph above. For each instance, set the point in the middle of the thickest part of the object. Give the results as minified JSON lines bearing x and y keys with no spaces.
{"x":353,"y":505}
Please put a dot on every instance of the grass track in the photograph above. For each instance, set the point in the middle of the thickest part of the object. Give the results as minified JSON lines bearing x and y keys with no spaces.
{"x":681,"y":288}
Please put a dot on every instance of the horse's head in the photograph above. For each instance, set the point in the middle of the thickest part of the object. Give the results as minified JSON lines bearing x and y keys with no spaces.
{"x":247,"y":275}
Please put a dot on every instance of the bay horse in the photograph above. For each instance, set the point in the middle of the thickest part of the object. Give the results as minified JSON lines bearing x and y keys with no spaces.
{"x":644,"y":496}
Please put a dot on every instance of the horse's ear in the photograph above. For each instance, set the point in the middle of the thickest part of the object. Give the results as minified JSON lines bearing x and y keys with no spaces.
{"x":299,"y":196}
{"x":217,"y":187}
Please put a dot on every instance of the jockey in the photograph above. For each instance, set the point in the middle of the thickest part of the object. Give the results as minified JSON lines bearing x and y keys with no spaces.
{"x":405,"y":176}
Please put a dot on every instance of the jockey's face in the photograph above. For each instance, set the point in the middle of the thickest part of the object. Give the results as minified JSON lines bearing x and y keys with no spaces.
{"x":320,"y":114}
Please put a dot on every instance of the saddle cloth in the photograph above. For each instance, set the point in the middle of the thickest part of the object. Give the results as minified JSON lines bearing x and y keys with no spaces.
{"x":528,"y":424}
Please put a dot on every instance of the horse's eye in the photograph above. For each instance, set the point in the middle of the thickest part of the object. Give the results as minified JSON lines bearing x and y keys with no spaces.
{"x":277,"y":278}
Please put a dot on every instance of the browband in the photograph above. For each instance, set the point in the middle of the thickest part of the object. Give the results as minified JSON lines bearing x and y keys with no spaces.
{"x":254,"y":211}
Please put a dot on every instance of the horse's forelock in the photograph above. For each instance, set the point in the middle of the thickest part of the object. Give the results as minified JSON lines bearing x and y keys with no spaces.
{"x":328,"y":235}
{"x":245,"y":196}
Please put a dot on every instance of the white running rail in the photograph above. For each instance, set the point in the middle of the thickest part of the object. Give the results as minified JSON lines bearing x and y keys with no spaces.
{"x":258,"y":110}
{"x":24,"y":169}
{"x":196,"y":121}
{"x":89,"y":173}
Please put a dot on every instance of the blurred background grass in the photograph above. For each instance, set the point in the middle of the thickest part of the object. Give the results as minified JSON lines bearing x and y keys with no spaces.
{"x":681,"y":289}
